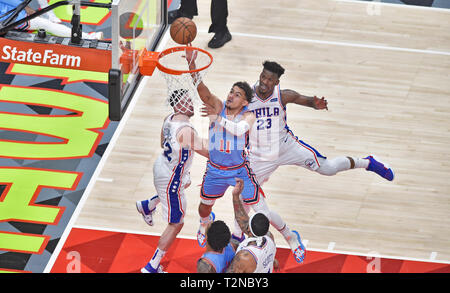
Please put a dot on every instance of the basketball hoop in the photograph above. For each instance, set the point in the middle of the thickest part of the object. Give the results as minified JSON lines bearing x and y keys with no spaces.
{"x":181,"y":81}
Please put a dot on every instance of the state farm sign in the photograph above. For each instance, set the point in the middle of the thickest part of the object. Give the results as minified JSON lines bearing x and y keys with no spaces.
{"x":48,"y":57}
{"x":54,"y":55}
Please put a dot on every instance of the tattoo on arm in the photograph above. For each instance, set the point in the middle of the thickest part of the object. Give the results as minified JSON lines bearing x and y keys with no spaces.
{"x":234,"y":265}
{"x":243,"y":262}
{"x":241,"y":215}
{"x":204,"y":267}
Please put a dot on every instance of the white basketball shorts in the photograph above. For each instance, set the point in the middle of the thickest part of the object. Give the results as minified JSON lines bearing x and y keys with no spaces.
{"x":170,"y":188}
{"x":292,"y":151}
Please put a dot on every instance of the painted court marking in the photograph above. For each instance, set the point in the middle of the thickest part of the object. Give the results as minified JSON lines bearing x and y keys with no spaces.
{"x":343,"y":44}
{"x":378,"y":2}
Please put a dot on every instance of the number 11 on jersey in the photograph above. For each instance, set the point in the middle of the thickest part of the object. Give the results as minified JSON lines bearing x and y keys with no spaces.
{"x":227,"y":149}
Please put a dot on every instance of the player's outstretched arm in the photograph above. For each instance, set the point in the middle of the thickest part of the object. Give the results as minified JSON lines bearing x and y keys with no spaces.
{"x":203,"y":91}
{"x":187,"y":137}
{"x":240,"y":214}
{"x":235,"y":128}
{"x":209,"y":98}
{"x":291,"y":96}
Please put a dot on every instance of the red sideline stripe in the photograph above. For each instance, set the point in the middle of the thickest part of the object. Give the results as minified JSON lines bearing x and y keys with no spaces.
{"x":115,"y":252}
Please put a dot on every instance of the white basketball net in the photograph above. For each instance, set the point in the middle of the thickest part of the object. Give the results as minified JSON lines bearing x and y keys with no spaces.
{"x":181,"y":88}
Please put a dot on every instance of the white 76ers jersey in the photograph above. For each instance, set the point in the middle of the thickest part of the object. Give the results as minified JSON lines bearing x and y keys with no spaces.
{"x":174,"y":158}
{"x":263,"y":252}
{"x":270,"y":126}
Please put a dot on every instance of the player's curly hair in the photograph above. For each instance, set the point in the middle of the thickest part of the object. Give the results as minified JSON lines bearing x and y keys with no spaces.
{"x":218,"y":235}
{"x":246,"y":88}
{"x":274,"y":67}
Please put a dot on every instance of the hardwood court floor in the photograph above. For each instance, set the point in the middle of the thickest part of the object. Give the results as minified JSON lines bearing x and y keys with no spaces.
{"x":386,"y":76}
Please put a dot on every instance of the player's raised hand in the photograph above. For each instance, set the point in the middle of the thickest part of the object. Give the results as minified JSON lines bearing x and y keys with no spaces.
{"x":209,"y":111}
{"x":190,"y":56}
{"x":320,"y":104}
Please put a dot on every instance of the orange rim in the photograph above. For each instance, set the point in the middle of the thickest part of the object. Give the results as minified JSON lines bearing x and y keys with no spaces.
{"x":182,"y":48}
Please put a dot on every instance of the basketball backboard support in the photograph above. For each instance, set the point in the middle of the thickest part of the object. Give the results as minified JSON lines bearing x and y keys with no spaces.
{"x":135,"y":25}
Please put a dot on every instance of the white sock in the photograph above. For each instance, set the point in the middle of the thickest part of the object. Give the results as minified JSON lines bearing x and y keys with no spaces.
{"x":153,"y":202}
{"x":361,"y":163}
{"x":156,"y":259}
{"x":286,"y":232}
{"x":330,"y":167}
{"x":205,"y":221}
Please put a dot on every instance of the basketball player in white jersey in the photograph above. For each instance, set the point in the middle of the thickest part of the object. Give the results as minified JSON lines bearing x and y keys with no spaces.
{"x":255,"y":254}
{"x":171,"y":177}
{"x":273,"y":144}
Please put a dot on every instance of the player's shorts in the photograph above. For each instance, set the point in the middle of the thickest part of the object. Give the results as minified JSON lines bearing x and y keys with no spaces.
{"x":292,"y":151}
{"x":217,"y":180}
{"x":170,"y":188}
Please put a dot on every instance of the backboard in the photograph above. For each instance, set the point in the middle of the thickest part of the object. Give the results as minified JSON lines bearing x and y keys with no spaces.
{"x":135,"y":25}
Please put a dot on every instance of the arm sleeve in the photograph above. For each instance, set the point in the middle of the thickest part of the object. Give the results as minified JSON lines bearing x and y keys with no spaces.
{"x":234,"y":128}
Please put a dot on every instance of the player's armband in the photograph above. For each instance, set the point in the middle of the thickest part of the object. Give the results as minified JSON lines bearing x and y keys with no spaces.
{"x":234,"y":128}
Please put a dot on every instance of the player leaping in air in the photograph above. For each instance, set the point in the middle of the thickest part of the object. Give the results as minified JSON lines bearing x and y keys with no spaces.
{"x":228,"y":136}
{"x":273,"y":144}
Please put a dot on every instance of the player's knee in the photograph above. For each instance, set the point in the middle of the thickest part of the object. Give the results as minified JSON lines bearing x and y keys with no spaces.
{"x":261,"y":207}
{"x":326,"y":169}
{"x":205,"y":207}
{"x":177,"y":226}
{"x":326,"y":172}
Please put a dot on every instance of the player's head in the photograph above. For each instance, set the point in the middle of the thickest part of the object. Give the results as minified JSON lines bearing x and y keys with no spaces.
{"x":273,"y":67}
{"x":240,"y":95}
{"x":259,"y":224}
{"x":269,"y":77}
{"x":181,"y":102}
{"x":218,"y":235}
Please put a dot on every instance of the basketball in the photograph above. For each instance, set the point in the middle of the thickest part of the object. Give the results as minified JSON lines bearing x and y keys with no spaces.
{"x":183,"y":30}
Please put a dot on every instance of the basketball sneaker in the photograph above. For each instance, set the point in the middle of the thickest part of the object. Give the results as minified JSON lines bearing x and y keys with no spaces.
{"x":144,"y":210}
{"x":380,"y":168}
{"x":148,"y":269}
{"x":297,"y":247}
{"x":201,"y":233}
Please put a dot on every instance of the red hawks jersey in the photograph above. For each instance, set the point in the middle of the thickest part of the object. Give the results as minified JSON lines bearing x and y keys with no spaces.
{"x":270,"y":128}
